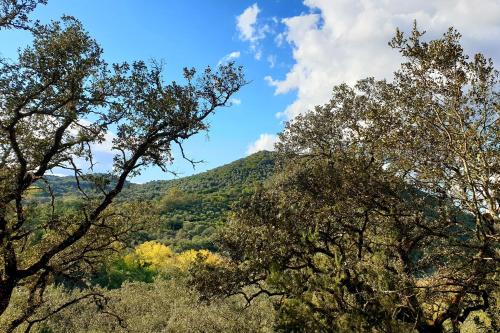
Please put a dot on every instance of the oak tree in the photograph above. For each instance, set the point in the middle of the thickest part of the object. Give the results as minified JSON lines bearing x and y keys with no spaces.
{"x":14,"y":14}
{"x":58,"y":101}
{"x":384,"y":215}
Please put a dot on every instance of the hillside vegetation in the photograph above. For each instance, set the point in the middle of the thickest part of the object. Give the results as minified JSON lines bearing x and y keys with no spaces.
{"x":188,"y":209}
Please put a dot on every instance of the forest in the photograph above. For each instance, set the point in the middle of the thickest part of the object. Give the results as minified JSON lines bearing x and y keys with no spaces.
{"x":378,"y":211}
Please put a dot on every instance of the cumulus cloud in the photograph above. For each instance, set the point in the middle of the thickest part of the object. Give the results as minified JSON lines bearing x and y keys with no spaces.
{"x":346,"y":40}
{"x":264,"y":142}
{"x":251,"y":30}
{"x":246,"y":23}
{"x":229,"y":57}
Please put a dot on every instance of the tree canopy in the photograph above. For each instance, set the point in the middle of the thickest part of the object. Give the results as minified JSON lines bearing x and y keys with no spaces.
{"x":385,"y":211}
{"x":57,"y":100}
{"x":14,"y":14}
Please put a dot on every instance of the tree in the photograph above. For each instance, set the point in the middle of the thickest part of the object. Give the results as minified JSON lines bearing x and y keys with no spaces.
{"x":57,"y":101}
{"x":160,"y":306}
{"x":384,"y":214}
{"x":14,"y":13}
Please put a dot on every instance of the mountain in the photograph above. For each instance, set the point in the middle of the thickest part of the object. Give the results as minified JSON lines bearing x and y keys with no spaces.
{"x":235,"y":177}
{"x":189,"y":209}
{"x":67,"y":185}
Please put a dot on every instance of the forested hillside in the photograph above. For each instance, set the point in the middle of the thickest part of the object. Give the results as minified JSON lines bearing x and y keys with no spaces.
{"x":191,"y":208}
{"x":188,"y":209}
{"x":67,"y":186}
{"x":230,"y":180}
{"x":236,"y":176}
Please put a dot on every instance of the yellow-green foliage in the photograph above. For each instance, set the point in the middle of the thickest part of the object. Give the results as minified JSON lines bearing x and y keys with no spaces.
{"x":161,"y":258}
{"x":151,"y":253}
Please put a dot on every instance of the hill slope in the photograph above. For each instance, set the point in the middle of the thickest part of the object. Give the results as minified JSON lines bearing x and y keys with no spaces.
{"x":232,"y":177}
{"x":189,"y":209}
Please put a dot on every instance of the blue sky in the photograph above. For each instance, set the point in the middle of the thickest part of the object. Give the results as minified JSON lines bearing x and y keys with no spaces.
{"x":293,"y":52}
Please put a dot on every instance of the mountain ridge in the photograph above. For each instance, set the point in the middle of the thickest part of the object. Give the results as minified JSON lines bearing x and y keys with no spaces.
{"x":255,"y":167}
{"x":249,"y":169}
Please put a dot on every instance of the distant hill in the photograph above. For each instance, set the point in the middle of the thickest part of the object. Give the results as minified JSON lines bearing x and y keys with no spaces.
{"x":189,"y":208}
{"x":67,"y":186}
{"x":232,"y":177}
{"x":235,"y":175}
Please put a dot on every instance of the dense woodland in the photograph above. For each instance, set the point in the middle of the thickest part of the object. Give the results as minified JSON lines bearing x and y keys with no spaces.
{"x":188,"y":209}
{"x":379,"y":211}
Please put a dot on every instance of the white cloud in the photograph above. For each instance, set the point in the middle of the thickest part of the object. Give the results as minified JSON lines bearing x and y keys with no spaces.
{"x":264,"y":142}
{"x":271,"y":59}
{"x":250,"y":30}
{"x":52,"y":173}
{"x":247,"y":24}
{"x":279,"y":39}
{"x":346,"y":40}
{"x":102,"y":152}
{"x":235,"y":101}
{"x":258,"y":54}
{"x":273,"y":83}
{"x":107,"y":145}
{"x":229,"y":57}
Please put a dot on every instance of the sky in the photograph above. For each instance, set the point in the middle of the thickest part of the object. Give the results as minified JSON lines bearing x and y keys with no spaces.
{"x":293,"y":53}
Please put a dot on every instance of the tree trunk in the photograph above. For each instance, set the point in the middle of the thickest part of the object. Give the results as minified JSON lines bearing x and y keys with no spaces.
{"x":6,"y":289}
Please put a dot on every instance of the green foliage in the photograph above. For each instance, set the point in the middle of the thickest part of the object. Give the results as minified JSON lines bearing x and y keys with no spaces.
{"x":385,"y":210}
{"x":189,"y":210}
{"x":116,"y":273}
{"x":383,"y":216}
{"x":161,"y":306}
